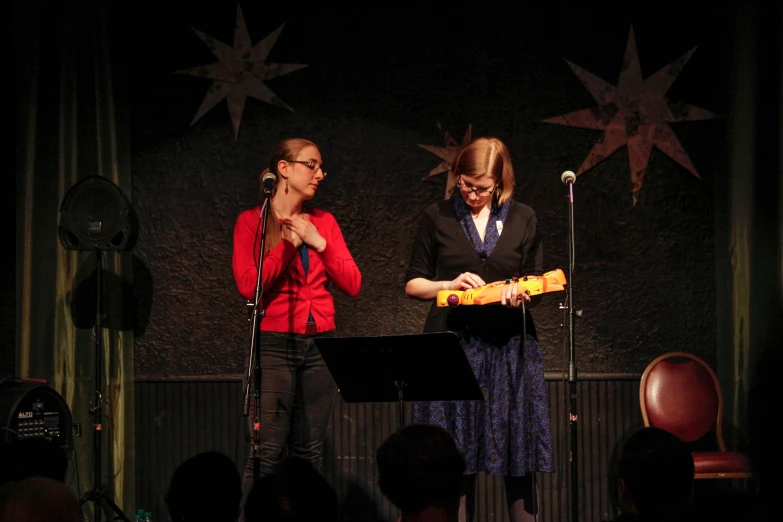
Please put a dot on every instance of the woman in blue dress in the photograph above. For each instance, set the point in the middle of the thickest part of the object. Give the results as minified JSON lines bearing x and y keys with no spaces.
{"x":479,"y":236}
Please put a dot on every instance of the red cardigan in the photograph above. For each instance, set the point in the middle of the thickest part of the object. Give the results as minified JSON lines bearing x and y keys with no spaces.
{"x":288,"y":297}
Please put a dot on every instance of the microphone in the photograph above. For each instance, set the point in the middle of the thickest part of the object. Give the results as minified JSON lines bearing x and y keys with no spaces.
{"x":268,"y":181}
{"x":567,"y":177}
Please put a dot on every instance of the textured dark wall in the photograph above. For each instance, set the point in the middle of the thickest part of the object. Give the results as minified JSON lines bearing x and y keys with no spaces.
{"x":375,"y":88}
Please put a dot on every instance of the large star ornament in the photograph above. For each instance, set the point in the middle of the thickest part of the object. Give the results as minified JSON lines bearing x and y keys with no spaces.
{"x":240,"y":72}
{"x":447,"y":153}
{"x":634,"y":113}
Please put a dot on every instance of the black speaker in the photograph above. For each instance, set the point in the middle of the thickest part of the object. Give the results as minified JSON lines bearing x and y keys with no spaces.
{"x":30,"y":408}
{"x":96,"y":215}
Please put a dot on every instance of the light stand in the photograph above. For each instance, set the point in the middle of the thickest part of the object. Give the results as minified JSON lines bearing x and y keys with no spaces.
{"x":257,"y":313}
{"x":568,"y":178}
{"x":97,"y":495}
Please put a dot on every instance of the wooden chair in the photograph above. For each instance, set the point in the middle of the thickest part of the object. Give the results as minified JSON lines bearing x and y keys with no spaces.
{"x":680,"y":393}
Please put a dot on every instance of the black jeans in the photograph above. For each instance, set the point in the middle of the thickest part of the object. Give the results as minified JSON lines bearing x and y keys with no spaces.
{"x":297,"y":397}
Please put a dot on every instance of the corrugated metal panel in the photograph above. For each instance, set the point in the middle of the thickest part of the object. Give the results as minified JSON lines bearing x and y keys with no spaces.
{"x":176,"y":420}
{"x":608,"y":412}
{"x":354,"y":433}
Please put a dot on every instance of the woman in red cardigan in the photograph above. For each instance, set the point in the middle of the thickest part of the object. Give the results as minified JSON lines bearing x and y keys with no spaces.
{"x":305,"y":252}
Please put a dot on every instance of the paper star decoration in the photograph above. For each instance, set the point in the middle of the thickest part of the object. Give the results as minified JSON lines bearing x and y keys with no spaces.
{"x":240,"y":72}
{"x":447,"y":153}
{"x":634,"y":113}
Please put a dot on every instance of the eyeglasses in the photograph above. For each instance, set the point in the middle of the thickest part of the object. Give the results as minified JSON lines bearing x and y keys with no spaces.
{"x":311,"y":164}
{"x":479,"y":191}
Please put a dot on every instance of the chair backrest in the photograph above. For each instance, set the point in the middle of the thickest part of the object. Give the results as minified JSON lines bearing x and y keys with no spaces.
{"x":682,"y":397}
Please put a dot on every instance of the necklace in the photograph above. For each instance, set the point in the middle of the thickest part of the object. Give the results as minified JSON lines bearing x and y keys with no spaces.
{"x":277,"y":211}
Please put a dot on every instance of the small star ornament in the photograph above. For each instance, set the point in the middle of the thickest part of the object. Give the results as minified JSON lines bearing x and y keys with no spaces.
{"x":448,"y":152}
{"x":240,"y":71}
{"x":634,"y":113}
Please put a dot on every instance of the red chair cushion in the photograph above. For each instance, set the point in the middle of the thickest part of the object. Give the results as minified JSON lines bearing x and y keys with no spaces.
{"x":681,"y":398}
{"x":720,"y":462}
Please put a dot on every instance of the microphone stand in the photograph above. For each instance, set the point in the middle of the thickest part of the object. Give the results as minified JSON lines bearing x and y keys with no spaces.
{"x":254,"y":366}
{"x":572,"y":377}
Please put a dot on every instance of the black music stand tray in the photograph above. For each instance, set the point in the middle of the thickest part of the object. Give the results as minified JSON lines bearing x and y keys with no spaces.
{"x":399,"y":368}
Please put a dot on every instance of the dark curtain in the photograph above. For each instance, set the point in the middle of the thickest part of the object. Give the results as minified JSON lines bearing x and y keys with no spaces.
{"x":71,"y":124}
{"x":749,"y":234}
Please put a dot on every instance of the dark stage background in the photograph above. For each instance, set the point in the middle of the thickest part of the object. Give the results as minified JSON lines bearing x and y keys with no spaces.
{"x":377,"y":85}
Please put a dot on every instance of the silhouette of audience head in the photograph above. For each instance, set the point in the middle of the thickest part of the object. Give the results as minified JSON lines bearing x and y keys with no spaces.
{"x":39,"y":499}
{"x":32,"y":457}
{"x":295,"y":492}
{"x":420,"y":467}
{"x":656,"y":473}
{"x":206,"y":487}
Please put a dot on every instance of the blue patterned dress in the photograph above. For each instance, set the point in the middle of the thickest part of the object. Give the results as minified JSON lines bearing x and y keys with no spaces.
{"x":507,"y":434}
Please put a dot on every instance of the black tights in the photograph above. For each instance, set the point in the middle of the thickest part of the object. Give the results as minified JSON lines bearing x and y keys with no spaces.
{"x":521,"y":501}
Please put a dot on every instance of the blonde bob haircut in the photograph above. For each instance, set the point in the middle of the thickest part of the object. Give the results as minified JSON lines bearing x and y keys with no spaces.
{"x":486,"y":157}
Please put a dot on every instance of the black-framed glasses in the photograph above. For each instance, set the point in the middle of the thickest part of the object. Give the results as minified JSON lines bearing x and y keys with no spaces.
{"x":310,"y":164}
{"x":479,"y":191}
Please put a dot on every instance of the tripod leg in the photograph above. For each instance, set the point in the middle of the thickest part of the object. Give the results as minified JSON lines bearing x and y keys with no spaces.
{"x":91,"y":497}
{"x":112,"y":511}
{"x":101,"y":502}
{"x":120,"y":515}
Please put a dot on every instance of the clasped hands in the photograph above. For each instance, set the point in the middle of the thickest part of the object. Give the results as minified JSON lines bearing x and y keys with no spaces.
{"x":510,"y":296}
{"x":298,"y":229}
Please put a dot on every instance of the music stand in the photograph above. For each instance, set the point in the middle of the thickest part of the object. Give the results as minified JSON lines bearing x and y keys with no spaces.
{"x":399,"y":368}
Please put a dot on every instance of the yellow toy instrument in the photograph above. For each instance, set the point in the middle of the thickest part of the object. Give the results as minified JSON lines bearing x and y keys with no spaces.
{"x":553,"y":281}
